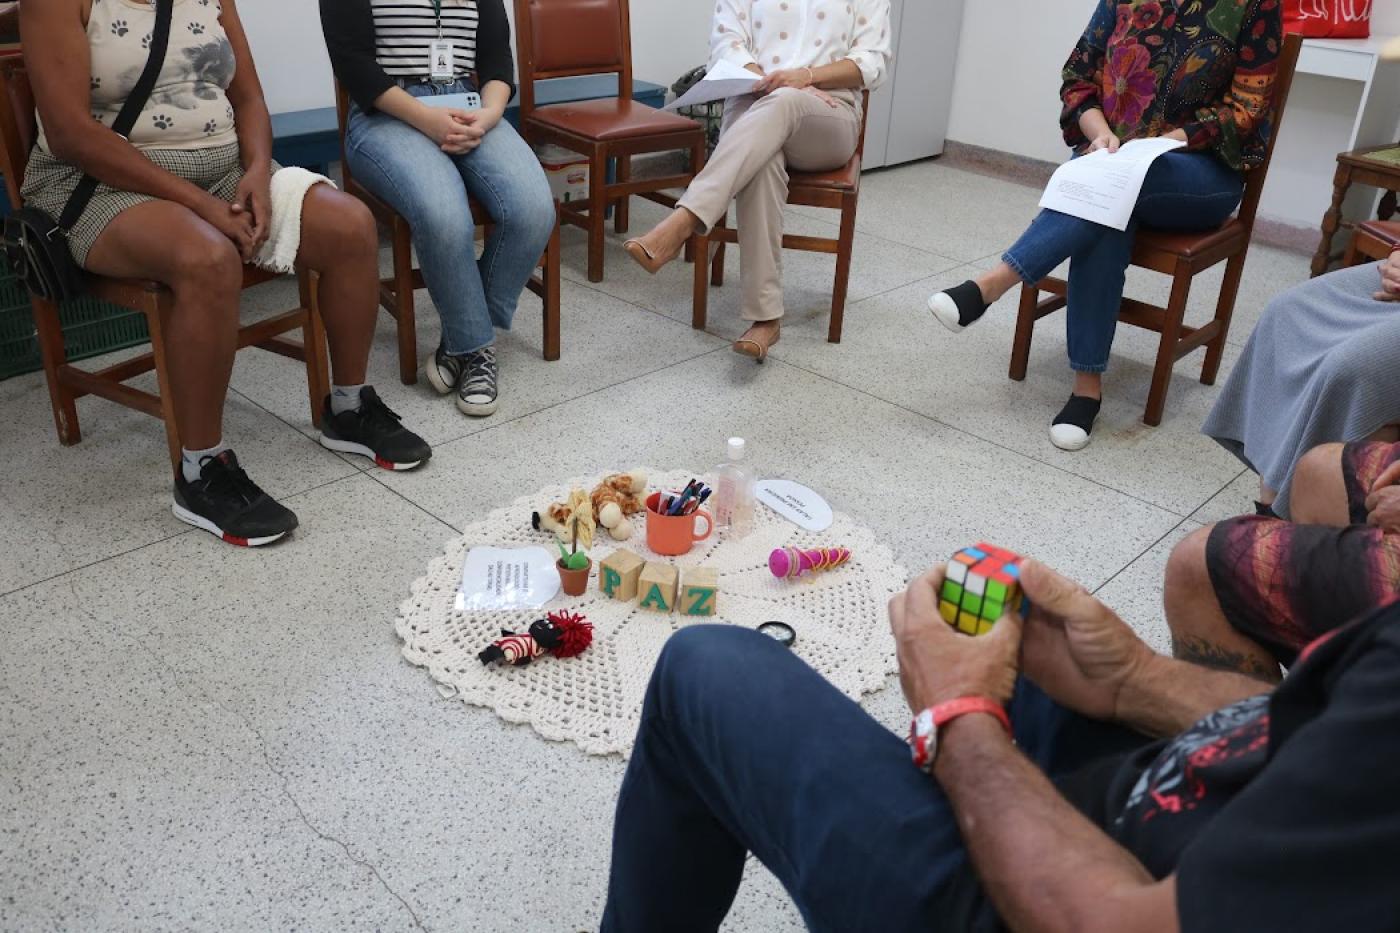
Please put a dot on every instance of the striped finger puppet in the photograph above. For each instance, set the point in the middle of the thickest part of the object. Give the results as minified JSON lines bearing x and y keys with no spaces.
{"x":982,"y":583}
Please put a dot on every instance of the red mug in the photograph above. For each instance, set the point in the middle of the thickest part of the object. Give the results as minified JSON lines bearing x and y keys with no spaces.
{"x":674,"y":535}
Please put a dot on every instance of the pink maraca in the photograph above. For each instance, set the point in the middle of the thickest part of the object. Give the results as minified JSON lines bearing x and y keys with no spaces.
{"x":794,"y":562}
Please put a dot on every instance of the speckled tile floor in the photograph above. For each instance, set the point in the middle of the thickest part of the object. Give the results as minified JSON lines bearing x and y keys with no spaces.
{"x":194,"y":737}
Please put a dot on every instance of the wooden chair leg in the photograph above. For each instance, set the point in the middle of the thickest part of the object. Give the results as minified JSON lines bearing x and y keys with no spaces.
{"x":50,"y":332}
{"x":551,"y":297}
{"x":620,"y":208}
{"x":844,"y":248}
{"x":1166,"y":350}
{"x":700,"y":299}
{"x":157,"y":315}
{"x":313,"y":341}
{"x":1025,"y":330}
{"x":717,"y":272}
{"x":1353,"y":255}
{"x":405,"y":317}
{"x":1224,"y":311}
{"x":597,"y":213}
{"x":1331,"y":220}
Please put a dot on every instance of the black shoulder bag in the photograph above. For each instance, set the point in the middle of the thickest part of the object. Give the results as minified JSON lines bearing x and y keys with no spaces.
{"x":34,"y":244}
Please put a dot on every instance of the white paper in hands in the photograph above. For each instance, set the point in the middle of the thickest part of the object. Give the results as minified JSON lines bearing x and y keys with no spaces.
{"x":723,"y":81}
{"x":1104,"y":188}
{"x":507,"y":578}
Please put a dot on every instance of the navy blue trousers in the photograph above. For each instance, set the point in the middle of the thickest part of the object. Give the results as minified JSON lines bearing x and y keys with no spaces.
{"x":744,"y":748}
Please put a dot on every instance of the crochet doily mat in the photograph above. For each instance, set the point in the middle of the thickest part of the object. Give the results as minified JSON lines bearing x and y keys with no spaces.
{"x":595,"y":700}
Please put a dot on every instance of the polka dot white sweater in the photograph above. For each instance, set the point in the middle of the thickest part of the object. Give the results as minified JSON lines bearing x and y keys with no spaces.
{"x":778,"y":34}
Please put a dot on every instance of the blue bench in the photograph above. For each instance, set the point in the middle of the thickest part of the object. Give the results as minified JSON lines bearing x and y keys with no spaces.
{"x":310,"y":138}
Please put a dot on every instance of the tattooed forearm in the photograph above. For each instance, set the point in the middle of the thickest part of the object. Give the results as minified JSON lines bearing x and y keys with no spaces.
{"x":1208,"y":654}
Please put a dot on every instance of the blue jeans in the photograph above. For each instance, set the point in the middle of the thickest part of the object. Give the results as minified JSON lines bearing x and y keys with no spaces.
{"x":744,"y":748}
{"x":429,"y":188}
{"x":1183,"y":191}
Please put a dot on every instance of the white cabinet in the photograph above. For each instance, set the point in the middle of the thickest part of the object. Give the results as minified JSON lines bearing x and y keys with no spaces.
{"x":909,"y":114}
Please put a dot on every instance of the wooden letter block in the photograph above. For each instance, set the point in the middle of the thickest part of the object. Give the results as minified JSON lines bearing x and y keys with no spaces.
{"x":619,"y":573}
{"x":658,"y":587}
{"x":699,"y":592}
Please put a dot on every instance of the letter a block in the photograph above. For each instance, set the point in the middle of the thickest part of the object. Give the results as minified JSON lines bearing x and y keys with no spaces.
{"x":699,"y":592}
{"x":619,"y":575}
{"x":658,"y":587}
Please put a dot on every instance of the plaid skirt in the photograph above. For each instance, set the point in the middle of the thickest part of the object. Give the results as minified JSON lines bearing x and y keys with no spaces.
{"x":48,"y":183}
{"x":1285,"y":585}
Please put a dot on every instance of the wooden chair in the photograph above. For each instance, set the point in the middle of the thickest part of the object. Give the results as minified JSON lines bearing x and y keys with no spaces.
{"x":68,"y":383}
{"x":396,"y":291}
{"x":1372,"y":241}
{"x":1356,"y":168}
{"x":567,"y":38}
{"x":1182,"y":256}
{"x":839,"y":190}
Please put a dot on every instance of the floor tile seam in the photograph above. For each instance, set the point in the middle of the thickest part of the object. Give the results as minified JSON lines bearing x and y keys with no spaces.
{"x":1228,"y":484}
{"x":886,"y":239}
{"x":177,"y":680}
{"x":1011,"y":450}
{"x":622,"y":382}
{"x":1145,"y":551}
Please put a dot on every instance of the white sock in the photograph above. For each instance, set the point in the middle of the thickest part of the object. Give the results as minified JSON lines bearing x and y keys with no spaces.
{"x":345,"y":398}
{"x":192,"y":461}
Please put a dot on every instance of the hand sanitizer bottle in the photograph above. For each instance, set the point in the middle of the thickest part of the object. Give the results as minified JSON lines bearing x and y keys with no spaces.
{"x":734,"y":494}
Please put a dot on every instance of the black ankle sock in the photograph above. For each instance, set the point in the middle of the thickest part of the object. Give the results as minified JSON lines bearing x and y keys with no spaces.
{"x":1079,"y":411}
{"x":968,"y":298}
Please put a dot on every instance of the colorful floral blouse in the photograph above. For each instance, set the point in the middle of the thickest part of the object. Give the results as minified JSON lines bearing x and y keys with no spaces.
{"x":1206,"y":67}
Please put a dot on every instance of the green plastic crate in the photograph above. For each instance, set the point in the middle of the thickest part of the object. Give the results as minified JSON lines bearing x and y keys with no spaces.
{"x":90,"y":328}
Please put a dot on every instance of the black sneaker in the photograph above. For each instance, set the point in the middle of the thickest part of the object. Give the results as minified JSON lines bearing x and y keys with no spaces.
{"x":373,"y":431}
{"x":958,"y":307}
{"x":225,"y":502}
{"x":444,"y":370}
{"x":476,"y":392}
{"x":1071,"y":428}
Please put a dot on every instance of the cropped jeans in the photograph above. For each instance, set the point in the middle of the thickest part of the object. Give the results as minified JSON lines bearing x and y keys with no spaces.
{"x":1183,"y":191}
{"x":430,"y":188}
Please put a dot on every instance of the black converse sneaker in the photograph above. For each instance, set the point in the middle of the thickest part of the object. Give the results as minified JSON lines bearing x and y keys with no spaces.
{"x":958,"y":307}
{"x":476,"y":392}
{"x":226,"y":503}
{"x":444,"y":370}
{"x":373,"y":431}
{"x":1071,"y":427}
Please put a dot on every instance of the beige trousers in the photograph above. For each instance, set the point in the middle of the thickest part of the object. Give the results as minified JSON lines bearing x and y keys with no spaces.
{"x":760,"y":139}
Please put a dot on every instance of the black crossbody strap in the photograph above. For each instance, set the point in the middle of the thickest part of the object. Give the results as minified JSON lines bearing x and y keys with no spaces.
{"x":135,"y":103}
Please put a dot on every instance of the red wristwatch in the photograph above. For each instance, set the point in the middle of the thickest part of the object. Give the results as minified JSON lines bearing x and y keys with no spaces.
{"x":923,"y":732}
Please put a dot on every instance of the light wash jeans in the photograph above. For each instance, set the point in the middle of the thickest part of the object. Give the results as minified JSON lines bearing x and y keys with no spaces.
{"x":1183,"y":191}
{"x":429,"y":188}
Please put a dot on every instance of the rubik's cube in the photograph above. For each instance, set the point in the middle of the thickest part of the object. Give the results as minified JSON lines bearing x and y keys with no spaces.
{"x":982,"y":583}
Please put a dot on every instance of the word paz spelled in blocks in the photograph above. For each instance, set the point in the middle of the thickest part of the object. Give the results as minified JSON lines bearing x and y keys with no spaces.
{"x":619,"y":575}
{"x":982,"y":583}
{"x":659,"y":583}
{"x":624,"y":576}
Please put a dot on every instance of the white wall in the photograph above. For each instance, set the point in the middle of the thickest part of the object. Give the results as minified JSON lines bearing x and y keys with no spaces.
{"x":669,"y":37}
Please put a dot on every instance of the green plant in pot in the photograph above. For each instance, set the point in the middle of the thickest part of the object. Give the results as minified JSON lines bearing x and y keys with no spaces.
{"x":574,"y":567}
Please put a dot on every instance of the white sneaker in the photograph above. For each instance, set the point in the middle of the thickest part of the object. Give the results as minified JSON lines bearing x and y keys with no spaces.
{"x":1069,"y":436}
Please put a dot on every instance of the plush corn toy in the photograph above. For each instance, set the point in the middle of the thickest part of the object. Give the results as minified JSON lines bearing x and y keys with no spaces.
{"x":562,"y":634}
{"x":793,"y":562}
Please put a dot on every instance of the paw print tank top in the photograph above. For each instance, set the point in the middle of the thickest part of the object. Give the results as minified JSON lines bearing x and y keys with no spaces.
{"x":189,"y":107}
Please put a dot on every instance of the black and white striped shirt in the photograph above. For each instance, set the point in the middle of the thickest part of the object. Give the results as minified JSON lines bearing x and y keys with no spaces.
{"x":403,"y":30}
{"x":374,"y":43}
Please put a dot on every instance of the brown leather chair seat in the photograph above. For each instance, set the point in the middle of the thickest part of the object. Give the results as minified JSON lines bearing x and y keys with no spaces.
{"x":611,"y":119}
{"x":1188,"y":244}
{"x":838,"y":179}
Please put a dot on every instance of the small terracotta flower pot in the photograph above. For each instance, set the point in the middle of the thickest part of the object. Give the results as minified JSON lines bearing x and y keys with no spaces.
{"x":574,"y":582}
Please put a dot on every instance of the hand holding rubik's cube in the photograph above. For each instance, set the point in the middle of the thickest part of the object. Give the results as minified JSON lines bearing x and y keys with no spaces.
{"x":982,"y":583}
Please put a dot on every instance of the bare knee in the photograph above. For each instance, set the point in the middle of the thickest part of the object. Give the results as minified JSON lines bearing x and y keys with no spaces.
{"x":1187,"y":578}
{"x":1318,"y":492}
{"x":337,"y":228}
{"x":204,"y":262}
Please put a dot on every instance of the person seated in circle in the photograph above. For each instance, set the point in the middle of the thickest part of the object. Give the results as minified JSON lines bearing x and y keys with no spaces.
{"x":186,"y":200}
{"x":1063,"y":778}
{"x":391,"y":56}
{"x":813,"y":58}
{"x":1247,"y":594}
{"x":1318,"y":368}
{"x":1202,"y":73}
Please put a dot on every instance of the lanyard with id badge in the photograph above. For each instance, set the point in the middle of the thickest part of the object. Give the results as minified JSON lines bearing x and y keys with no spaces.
{"x":442,"y":65}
